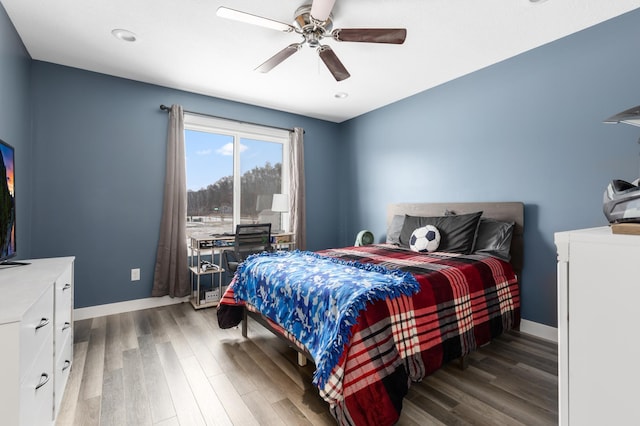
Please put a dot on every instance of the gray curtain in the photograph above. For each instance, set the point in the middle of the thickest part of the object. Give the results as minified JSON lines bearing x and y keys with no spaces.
{"x":171,"y":276}
{"x":297,"y":198}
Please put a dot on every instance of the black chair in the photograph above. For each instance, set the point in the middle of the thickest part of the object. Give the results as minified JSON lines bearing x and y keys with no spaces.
{"x":249,"y":239}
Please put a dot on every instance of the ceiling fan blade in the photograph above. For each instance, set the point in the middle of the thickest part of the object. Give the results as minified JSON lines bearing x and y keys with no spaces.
{"x":248,"y":18}
{"x":332,"y":62}
{"x":321,"y":9}
{"x":371,"y":35}
{"x":278,"y":58}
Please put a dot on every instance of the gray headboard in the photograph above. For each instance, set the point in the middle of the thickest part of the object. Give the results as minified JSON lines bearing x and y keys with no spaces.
{"x":506,"y":211}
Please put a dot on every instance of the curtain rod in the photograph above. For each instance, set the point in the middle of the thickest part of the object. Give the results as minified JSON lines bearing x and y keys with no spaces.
{"x":167,"y":109}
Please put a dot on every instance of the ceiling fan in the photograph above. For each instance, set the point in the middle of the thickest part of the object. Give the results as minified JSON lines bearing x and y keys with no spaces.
{"x":314,"y":22}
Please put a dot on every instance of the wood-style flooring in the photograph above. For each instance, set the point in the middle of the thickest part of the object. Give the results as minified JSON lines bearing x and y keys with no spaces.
{"x":173,"y":366}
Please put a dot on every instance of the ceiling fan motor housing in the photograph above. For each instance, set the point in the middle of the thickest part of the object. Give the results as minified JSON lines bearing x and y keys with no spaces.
{"x":312,"y":29}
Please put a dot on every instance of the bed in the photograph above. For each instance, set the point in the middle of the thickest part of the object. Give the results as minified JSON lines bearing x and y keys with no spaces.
{"x":410,"y":312}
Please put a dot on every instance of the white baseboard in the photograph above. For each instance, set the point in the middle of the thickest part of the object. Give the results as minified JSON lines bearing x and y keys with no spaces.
{"x":539,"y":330}
{"x":128,"y":306}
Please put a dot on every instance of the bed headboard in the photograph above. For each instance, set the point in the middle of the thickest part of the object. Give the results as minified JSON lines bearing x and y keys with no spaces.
{"x":506,"y":211}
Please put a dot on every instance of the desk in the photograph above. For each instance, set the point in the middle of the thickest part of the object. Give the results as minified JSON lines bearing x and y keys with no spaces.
{"x":203,"y":249}
{"x":283,"y":240}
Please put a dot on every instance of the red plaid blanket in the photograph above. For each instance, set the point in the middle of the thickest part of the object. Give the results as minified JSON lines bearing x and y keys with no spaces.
{"x":463,"y":303}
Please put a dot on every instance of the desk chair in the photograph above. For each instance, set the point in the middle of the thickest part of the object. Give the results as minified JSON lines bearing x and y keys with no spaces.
{"x":249,"y":239}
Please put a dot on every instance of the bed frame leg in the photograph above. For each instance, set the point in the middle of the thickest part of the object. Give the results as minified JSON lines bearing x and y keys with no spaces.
{"x":244,"y":322}
{"x":464,"y":362}
{"x":302,"y":360}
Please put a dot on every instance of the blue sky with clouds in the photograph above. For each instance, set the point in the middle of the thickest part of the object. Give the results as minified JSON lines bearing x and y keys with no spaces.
{"x":210,"y":156}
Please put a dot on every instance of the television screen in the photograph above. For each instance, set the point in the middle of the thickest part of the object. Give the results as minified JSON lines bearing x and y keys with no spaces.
{"x":7,"y":203}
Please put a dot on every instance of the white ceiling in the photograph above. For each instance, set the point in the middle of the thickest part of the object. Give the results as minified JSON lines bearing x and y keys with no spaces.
{"x":182,"y":44}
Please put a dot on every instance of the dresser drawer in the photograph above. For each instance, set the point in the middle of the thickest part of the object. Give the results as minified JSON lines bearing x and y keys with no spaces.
{"x":63,"y":296}
{"x":35,"y":328}
{"x":36,"y":388}
{"x":63,"y":333}
{"x":62,"y":369}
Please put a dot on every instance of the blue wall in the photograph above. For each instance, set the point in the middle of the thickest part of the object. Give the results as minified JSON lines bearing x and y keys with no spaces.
{"x":528,"y":129}
{"x":99,"y":158}
{"x":15,"y":94}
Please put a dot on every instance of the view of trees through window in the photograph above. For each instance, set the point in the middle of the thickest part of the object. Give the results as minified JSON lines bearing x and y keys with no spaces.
{"x":218,"y":198}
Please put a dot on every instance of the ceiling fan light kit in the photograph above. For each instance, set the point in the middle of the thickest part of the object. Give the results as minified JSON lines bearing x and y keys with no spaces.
{"x":321,"y":9}
{"x":314,"y":22}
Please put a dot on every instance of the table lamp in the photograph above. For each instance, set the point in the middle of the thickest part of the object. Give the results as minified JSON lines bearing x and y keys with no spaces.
{"x":280,"y":204}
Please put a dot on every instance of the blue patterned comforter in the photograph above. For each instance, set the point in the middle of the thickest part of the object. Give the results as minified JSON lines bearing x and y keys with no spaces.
{"x":317,"y":298}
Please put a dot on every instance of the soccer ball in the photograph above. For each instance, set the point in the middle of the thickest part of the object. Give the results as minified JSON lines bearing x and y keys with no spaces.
{"x":425,"y":239}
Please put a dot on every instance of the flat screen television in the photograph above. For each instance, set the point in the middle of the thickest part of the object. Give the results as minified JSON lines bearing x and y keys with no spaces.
{"x":7,"y":203}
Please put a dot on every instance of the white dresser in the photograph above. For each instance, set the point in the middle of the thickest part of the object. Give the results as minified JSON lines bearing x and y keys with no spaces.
{"x":36,"y":335}
{"x":598,"y":327}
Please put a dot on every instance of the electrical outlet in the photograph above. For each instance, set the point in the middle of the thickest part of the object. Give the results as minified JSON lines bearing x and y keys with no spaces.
{"x":135,"y":274}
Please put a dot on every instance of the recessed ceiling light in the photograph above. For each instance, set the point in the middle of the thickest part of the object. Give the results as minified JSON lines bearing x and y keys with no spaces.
{"x":537,"y":1}
{"x":341,"y":95}
{"x":124,"y":35}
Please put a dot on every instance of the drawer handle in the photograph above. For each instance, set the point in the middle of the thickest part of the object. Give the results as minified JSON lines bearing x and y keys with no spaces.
{"x":66,"y":325}
{"x":44,"y":379}
{"x":67,"y":286}
{"x":67,"y":364}
{"x":43,"y":322}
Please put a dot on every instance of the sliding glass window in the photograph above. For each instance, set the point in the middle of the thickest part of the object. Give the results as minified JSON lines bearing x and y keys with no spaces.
{"x":233,"y":170}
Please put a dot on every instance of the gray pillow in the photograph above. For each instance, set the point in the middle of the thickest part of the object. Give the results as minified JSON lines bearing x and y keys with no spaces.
{"x":393,"y":232}
{"x":494,"y":238}
{"x":457,"y":232}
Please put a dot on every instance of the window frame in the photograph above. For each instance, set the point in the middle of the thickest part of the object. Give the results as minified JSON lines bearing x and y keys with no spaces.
{"x":239,"y":130}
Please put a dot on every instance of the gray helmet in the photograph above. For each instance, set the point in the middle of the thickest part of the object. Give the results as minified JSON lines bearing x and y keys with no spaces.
{"x":621,"y":202}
